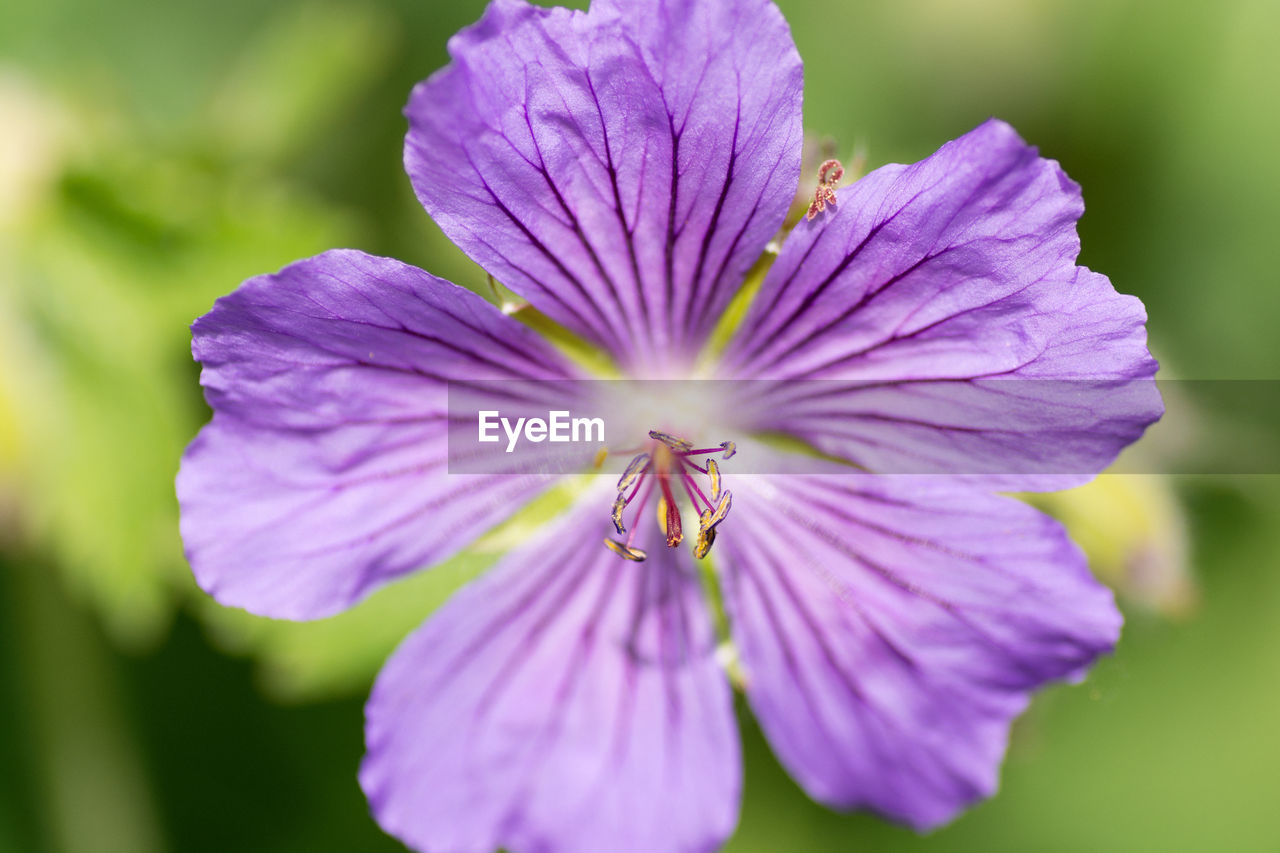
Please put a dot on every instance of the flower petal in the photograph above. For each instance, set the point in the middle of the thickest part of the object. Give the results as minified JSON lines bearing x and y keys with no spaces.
{"x":620,"y":168}
{"x":940,"y":325}
{"x":567,"y":701}
{"x":324,"y":471}
{"x":891,"y":627}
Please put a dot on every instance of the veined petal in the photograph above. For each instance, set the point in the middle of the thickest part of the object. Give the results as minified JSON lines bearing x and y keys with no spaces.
{"x":567,"y":701}
{"x":935,"y":322}
{"x":620,"y":168}
{"x":890,"y":628}
{"x":324,"y":472}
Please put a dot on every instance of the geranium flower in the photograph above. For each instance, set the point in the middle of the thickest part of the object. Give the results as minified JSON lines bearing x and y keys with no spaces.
{"x":622,"y":170}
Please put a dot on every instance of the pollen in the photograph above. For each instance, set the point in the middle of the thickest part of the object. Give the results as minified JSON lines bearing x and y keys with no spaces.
{"x":626,"y":552}
{"x":713,"y":474}
{"x":678,"y":444}
{"x":634,"y":470}
{"x":619,"y":506}
{"x":706,"y":538}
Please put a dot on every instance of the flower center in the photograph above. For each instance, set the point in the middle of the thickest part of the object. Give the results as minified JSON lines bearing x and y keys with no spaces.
{"x":669,"y":466}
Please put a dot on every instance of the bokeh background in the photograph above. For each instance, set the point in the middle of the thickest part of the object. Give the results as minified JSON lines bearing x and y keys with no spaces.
{"x":153,"y":155}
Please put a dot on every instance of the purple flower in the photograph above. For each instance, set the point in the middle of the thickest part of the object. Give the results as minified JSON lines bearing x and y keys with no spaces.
{"x":622,"y":170}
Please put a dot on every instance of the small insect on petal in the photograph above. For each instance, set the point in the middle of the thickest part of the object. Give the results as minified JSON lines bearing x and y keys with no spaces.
{"x":729,"y":449}
{"x":670,"y":440}
{"x":836,"y":173}
{"x":619,"y":506}
{"x":625,"y":551}
{"x":713,"y":471}
{"x":829,"y":174}
{"x":633,"y":470}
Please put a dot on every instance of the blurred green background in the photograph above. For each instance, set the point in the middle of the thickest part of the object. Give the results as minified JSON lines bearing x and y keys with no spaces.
{"x":153,"y":155}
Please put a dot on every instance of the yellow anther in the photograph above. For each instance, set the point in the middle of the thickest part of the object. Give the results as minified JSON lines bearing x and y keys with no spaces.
{"x":601,"y":455}
{"x":625,"y":551}
{"x":671,"y":441}
{"x":706,"y":538}
{"x":729,"y":448}
{"x":633,"y":471}
{"x":713,"y":471}
{"x":722,"y":510}
{"x":669,"y":521}
{"x":618,"y":506}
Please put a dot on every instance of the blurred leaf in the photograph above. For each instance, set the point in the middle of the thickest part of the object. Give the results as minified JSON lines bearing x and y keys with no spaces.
{"x":105,"y":273}
{"x":302,"y":661}
{"x":108,"y":282}
{"x":1132,"y":528}
{"x":284,"y":90}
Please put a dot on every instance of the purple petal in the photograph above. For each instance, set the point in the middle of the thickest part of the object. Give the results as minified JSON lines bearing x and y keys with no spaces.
{"x":620,"y":168}
{"x":324,"y":471}
{"x":891,"y":627}
{"x":940,"y":324}
{"x":567,"y":701}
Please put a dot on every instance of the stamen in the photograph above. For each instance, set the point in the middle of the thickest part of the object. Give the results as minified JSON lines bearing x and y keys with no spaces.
{"x":666,"y":458}
{"x":706,"y":535}
{"x":690,"y":486}
{"x":634,"y":469}
{"x":618,"y":506}
{"x":671,"y":441}
{"x":706,"y":538}
{"x":625,"y":551}
{"x":722,"y":509}
{"x":601,"y":455}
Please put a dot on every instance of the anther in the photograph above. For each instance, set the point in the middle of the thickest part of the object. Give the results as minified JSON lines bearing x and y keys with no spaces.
{"x":706,"y":533}
{"x":618,"y":506}
{"x":670,"y":440}
{"x":706,"y":538}
{"x":722,"y":510}
{"x":625,"y":551}
{"x":671,"y":459}
{"x":633,"y":470}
